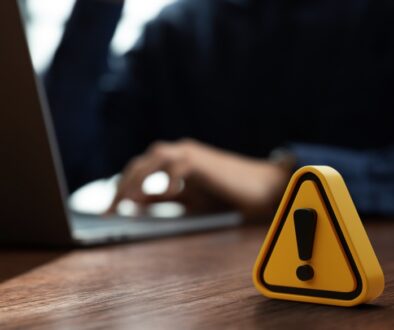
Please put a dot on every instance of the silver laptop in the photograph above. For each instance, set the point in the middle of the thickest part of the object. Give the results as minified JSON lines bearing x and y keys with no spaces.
{"x":33,"y":196}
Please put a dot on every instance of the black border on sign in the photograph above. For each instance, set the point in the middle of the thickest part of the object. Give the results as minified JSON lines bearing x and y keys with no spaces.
{"x":313,"y":292}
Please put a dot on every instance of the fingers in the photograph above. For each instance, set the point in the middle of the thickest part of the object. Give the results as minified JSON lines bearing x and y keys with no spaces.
{"x":171,"y":158}
{"x":130,"y":184}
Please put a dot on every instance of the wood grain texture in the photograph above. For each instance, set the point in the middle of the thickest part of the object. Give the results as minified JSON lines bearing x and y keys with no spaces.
{"x":199,"y":281}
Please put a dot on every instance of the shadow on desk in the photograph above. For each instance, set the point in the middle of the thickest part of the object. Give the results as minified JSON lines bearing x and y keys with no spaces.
{"x":312,"y":316}
{"x":17,"y":262}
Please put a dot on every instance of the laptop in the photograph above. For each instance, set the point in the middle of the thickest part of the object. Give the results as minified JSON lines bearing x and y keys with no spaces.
{"x":33,"y":196}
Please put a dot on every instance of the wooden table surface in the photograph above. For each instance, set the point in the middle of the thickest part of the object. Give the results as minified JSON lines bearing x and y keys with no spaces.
{"x":200,"y":281}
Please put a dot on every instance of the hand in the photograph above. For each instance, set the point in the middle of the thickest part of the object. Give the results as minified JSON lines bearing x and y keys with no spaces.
{"x":213,"y":179}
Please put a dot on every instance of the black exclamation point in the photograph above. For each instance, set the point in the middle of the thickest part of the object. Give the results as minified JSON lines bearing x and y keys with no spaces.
{"x":305,"y":226}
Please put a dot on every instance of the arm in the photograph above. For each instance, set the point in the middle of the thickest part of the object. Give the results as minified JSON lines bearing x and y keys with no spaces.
{"x":369,"y":175}
{"x":215,"y":178}
{"x":72,"y":85}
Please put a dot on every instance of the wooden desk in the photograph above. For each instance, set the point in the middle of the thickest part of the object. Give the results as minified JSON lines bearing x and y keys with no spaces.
{"x":191,"y":282}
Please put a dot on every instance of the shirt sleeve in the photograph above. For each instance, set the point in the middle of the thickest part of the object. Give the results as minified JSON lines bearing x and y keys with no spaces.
{"x":73,"y":86}
{"x":369,"y":174}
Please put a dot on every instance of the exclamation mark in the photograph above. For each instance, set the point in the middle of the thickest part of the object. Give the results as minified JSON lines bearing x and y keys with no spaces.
{"x":305,"y":226}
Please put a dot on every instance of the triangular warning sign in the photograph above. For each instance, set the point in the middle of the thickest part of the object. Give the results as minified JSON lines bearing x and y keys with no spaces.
{"x":317,"y":249}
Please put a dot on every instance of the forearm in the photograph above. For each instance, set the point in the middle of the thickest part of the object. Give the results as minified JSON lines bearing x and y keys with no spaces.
{"x":368,"y":174}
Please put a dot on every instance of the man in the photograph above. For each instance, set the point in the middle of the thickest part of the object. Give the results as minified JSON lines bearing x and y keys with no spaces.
{"x":247,"y":76}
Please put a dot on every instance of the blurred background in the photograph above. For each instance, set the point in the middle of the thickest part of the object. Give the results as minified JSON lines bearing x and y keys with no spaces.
{"x":46,"y":19}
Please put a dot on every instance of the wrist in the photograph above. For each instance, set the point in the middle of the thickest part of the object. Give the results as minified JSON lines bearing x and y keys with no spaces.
{"x":284,"y":159}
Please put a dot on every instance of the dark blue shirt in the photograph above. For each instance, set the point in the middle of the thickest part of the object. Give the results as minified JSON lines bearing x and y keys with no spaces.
{"x":244,"y":75}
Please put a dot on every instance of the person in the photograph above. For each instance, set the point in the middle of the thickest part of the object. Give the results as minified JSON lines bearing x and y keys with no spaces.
{"x":225,"y":83}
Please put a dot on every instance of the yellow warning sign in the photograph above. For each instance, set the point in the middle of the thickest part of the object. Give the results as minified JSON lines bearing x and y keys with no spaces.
{"x":317,"y":249}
